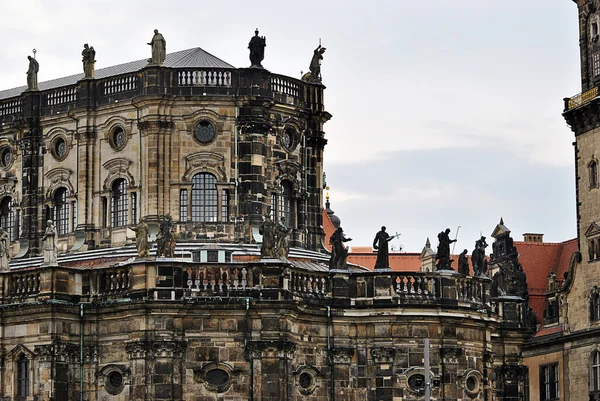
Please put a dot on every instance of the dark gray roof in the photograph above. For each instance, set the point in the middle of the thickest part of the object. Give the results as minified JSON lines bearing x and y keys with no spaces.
{"x":190,"y":58}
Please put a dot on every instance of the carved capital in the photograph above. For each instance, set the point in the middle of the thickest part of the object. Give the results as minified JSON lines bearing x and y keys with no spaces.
{"x":168,"y":349}
{"x":282,"y":349}
{"x":342,"y":354}
{"x":57,"y":352}
{"x":383,"y":354}
{"x":138,"y":349}
{"x":450,"y":355}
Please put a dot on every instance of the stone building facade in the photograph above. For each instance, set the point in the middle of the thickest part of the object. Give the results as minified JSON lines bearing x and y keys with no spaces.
{"x":216,"y":148}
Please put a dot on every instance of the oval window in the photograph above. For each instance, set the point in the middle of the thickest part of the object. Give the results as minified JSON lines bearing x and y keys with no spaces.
{"x":118,"y":137}
{"x":217,"y":377}
{"x":5,"y":157}
{"x":204,"y":132}
{"x":60,"y":148}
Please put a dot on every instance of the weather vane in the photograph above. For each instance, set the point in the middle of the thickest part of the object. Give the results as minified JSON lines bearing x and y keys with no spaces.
{"x":34,"y":52}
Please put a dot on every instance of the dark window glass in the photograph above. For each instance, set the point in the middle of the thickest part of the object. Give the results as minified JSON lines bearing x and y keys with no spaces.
{"x":595,"y":371}
{"x":593,"y":174}
{"x":596,"y":59}
{"x":549,"y":382}
{"x":212,"y":256}
{"x":204,"y":132}
{"x":118,"y":137}
{"x":183,"y":205}
{"x":23,"y":376}
{"x":526,"y":387}
{"x":224,"y":205}
{"x":60,"y":148}
{"x":282,"y":205}
{"x":74,"y":214}
{"x":5,"y":157}
{"x":133,"y":208}
{"x":7,"y":217}
{"x":204,"y":198}
{"x":217,"y":377}
{"x":119,"y":203}
{"x":61,"y":211}
{"x":416,"y":382}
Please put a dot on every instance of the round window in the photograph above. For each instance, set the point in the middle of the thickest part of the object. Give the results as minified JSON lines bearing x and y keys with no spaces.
{"x":114,"y":382}
{"x":118,"y":138}
{"x":306,"y":380}
{"x":60,"y":148}
{"x":217,"y":377}
{"x":416,"y":382}
{"x":472,"y":384}
{"x":288,"y":138}
{"x":5,"y":157}
{"x":204,"y":132}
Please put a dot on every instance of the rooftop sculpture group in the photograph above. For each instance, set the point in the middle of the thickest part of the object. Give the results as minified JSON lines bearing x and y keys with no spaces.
{"x":275,"y":242}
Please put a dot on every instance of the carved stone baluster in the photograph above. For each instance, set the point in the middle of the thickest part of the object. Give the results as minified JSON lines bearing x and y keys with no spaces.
{"x":418,"y":284}
{"x":197,"y":280}
{"x":244,"y":281}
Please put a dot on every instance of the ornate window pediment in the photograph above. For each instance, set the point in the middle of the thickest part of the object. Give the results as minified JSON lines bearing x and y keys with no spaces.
{"x":593,"y":241}
{"x":57,"y":178}
{"x":118,"y":168}
{"x":209,"y":162}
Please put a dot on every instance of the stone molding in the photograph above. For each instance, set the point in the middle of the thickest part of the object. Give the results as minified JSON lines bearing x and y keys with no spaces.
{"x":208,"y":162}
{"x":283,"y":349}
{"x":383,"y":354}
{"x":450,"y":355}
{"x":155,"y":349}
{"x":58,"y":351}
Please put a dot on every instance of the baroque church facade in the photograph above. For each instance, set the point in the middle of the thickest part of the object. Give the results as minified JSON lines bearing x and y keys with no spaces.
{"x":187,"y":138}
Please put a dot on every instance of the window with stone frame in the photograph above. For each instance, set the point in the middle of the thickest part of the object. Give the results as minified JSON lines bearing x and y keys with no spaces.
{"x":224,"y":205}
{"x":23,"y":377}
{"x":595,"y":304}
{"x":593,"y":174}
{"x":119,"y":203}
{"x":551,"y":310}
{"x":282,"y":205}
{"x":204,"y":198}
{"x":549,"y":381}
{"x":61,"y":211}
{"x":183,"y":205}
{"x":595,"y":372}
{"x":592,"y":235}
{"x":7,"y":218}
{"x":526,"y":386}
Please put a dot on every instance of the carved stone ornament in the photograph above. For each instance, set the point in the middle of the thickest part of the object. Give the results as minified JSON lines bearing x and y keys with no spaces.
{"x":291,"y":171}
{"x":138,"y":349}
{"x":342,"y":354}
{"x":118,"y":168}
{"x":450,"y":355}
{"x":90,"y":354}
{"x":57,"y":178}
{"x":383,"y":354}
{"x":271,"y":349}
{"x":57,"y":352}
{"x":205,"y":162}
{"x":154,"y":126}
{"x":155,"y":349}
{"x":8,"y":188}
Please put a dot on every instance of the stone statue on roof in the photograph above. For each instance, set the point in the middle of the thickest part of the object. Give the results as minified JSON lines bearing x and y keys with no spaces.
{"x":380,"y":244}
{"x":159,"y":48}
{"x":257,"y":49}
{"x":315,"y":64}
{"x":34,"y":68}
{"x":267,"y":230}
{"x":282,"y":245}
{"x":141,"y":238}
{"x":165,"y":239}
{"x":463,"y":263}
{"x":49,"y":245}
{"x":88,"y":57}
{"x":443,"y":252}
{"x":339,"y":252}
{"x":478,"y":257}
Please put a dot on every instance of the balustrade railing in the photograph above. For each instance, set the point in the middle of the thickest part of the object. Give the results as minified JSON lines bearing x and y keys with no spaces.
{"x":287,"y":86}
{"x":24,"y":285}
{"x":308,"y":284}
{"x":10,"y":107}
{"x":204,"y":78}
{"x":581,"y":98}
{"x":216,"y":279}
{"x":470,"y":290}
{"x":114,"y":281}
{"x":417,"y":285}
{"x":60,"y":96}
{"x":114,"y":85}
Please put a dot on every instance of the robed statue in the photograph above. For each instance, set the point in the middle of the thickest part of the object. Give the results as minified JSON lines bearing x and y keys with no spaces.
{"x":159,"y":48}
{"x":463,"y":263}
{"x":267,"y":230}
{"x":315,"y":64}
{"x":141,"y":238}
{"x":478,"y":257}
{"x":443,"y":252}
{"x":49,"y":245}
{"x":4,"y":249}
{"x":282,"y":232}
{"x":88,"y":57}
{"x":165,"y":239}
{"x":257,"y":49}
{"x":380,"y":244}
{"x":34,"y":68}
{"x":339,"y":252}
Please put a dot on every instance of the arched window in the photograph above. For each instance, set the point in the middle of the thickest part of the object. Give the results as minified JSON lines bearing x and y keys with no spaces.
{"x":595,"y":305}
{"x":204,"y":198}
{"x":7,"y":217}
{"x":61,"y":211}
{"x":593,"y":171}
{"x":595,"y":372}
{"x":23,"y":376}
{"x":282,"y":205}
{"x":119,"y":203}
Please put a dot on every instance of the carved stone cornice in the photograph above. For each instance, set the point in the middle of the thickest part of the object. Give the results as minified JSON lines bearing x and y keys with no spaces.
{"x":342,"y":354}
{"x":383,"y":354}
{"x":282,"y":349}
{"x":584,"y":118}
{"x":57,"y":352}
{"x":155,"y":349}
{"x":450,"y":355}
{"x":155,"y":126}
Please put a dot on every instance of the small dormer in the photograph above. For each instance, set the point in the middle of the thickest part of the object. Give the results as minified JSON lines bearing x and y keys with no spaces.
{"x":212,"y":253}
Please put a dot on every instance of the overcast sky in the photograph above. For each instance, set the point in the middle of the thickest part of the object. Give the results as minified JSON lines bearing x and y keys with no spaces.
{"x":445,"y":113}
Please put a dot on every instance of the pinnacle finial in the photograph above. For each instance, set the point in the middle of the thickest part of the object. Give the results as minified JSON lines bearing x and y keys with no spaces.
{"x":501,"y":221}
{"x":427,"y":243}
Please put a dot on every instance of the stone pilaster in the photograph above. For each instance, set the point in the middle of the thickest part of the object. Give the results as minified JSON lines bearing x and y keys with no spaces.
{"x":272,"y":363}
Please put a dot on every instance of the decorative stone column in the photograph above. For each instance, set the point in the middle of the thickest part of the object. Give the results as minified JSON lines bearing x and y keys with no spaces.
{"x":449,"y":357}
{"x":58,"y":370}
{"x":383,"y":359}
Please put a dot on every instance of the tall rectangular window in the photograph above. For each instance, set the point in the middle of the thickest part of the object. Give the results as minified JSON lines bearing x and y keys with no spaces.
{"x":23,"y":376}
{"x":183,"y":205}
{"x":526,"y":387}
{"x":549,"y":382}
{"x":596,"y":61}
{"x":74,"y":215}
{"x":224,"y":205}
{"x":133,"y":208}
